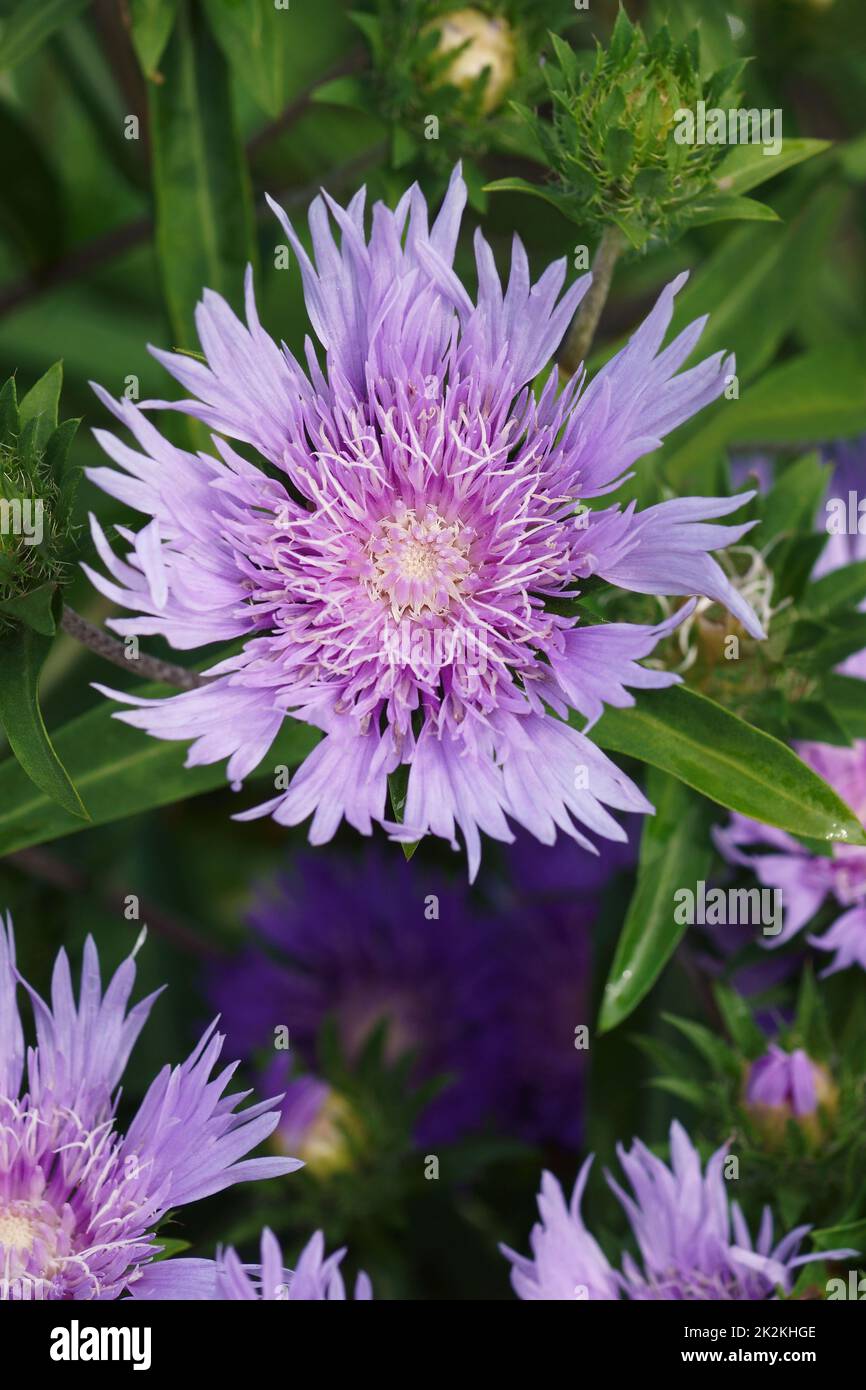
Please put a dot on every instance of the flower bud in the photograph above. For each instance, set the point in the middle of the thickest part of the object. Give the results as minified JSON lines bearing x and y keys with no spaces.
{"x":783,"y":1086}
{"x":316,"y":1126}
{"x":478,"y":41}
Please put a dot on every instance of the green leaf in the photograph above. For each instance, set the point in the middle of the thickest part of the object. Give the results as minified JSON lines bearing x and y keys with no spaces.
{"x":850,"y":1236}
{"x":818,"y":647}
{"x":810,"y":398}
{"x":252,"y":35}
{"x":809,"y":719}
{"x":792,"y":561}
{"x":718,"y":208}
{"x":9,"y":422}
{"x":42,"y":403}
{"x":739,"y":1022}
{"x":676,"y":850}
{"x":842,"y":588}
{"x":711,"y":1047}
{"x":746,"y":166}
{"x":152,"y":23}
{"x":794,"y":499}
{"x":729,"y":761}
{"x":352,"y":92}
{"x":22,"y":652}
{"x":618,"y":150}
{"x":35,"y":609}
{"x":170,"y":1247}
{"x":819,"y":395}
{"x":398,"y":782}
{"x":811,"y":1021}
{"x":560,"y":201}
{"x":122,"y":772}
{"x":30,"y":23}
{"x":692,"y":1092}
{"x":31,"y":209}
{"x":204,"y":222}
{"x":845,"y":697}
{"x":754,"y":285}
{"x":371,"y":27}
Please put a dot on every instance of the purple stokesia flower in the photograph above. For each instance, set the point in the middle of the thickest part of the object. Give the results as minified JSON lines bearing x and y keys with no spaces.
{"x":804,"y":879}
{"x":316,"y":1278}
{"x":693,"y":1242}
{"x":79,"y":1201}
{"x":390,"y":567}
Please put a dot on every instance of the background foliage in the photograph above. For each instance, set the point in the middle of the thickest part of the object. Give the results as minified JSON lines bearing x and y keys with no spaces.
{"x":137,"y":141}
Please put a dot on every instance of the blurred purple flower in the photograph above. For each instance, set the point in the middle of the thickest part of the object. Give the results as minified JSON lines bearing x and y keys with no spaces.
{"x":693,"y":1242}
{"x":390,"y":573}
{"x":348,"y":937}
{"x":806,"y":880}
{"x":316,"y":1278}
{"x":490,"y":993}
{"x":79,"y":1201}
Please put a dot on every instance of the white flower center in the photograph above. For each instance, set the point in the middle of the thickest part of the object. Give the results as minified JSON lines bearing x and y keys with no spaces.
{"x":34,"y":1242}
{"x":16,"y":1230}
{"x":418,"y":561}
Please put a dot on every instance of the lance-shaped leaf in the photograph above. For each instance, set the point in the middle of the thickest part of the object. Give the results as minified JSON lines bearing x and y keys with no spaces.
{"x":729,"y":761}
{"x":204,"y":221}
{"x":747,"y":166}
{"x":41,"y":405}
{"x":30,"y":23}
{"x":122,"y":772}
{"x":152,"y":23}
{"x":22,"y":652}
{"x":675,"y":852}
{"x":841,"y":588}
{"x":845,"y":697}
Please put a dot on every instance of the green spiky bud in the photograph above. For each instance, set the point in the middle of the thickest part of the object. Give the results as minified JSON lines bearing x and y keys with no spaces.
{"x":37,"y":492}
{"x":613,"y":143}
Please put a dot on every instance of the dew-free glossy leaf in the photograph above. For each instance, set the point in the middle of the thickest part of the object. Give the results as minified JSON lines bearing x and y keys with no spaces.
{"x":676,"y":851}
{"x":729,"y":761}
{"x":22,"y":653}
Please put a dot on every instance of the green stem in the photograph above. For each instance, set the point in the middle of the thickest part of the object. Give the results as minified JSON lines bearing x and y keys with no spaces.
{"x":585,"y":322}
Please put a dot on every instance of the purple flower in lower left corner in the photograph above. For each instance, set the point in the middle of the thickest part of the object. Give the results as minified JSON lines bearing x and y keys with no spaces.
{"x":80,"y":1201}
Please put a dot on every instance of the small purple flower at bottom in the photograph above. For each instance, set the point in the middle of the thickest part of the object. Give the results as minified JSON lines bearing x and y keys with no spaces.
{"x":316,"y":1277}
{"x":694,"y":1243}
{"x":782,"y":1086}
{"x":804,"y":879}
{"x":80,"y":1202}
{"x":785,"y":1078}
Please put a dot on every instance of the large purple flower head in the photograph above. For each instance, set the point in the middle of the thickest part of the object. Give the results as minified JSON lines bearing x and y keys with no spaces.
{"x":315,"y":1278}
{"x":366,"y":940}
{"x":693,"y":1241}
{"x":397,"y":569}
{"x":79,"y":1200}
{"x":806,"y":880}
